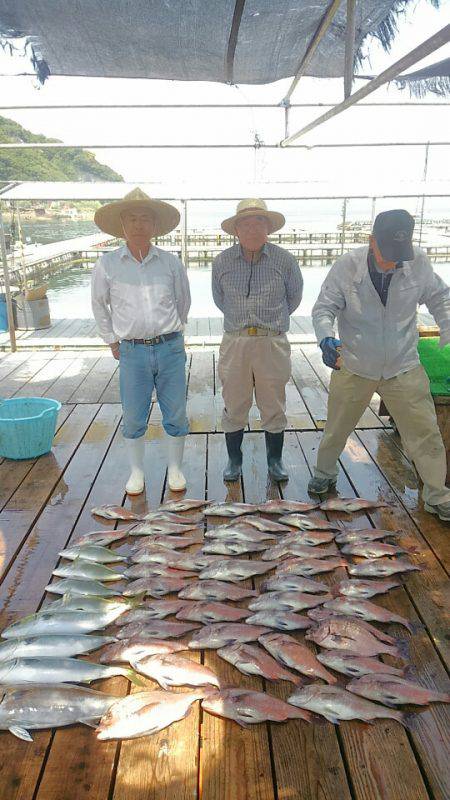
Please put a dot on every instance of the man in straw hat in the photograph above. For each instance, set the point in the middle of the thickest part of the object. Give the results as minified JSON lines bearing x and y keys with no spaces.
{"x":257,"y":285}
{"x":140,"y":301}
{"x":373,"y":292}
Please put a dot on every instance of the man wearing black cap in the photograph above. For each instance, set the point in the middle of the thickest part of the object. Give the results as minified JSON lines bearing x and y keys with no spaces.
{"x":373,"y":292}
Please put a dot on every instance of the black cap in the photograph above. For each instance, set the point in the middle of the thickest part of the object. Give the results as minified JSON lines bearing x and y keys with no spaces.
{"x":393,"y":232}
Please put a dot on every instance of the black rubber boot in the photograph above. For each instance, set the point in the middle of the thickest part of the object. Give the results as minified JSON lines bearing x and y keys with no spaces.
{"x":274,"y":447}
{"x":233,"y":470}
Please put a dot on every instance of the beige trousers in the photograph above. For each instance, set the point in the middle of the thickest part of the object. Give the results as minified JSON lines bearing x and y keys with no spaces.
{"x":259,"y":365}
{"x":409,"y":401}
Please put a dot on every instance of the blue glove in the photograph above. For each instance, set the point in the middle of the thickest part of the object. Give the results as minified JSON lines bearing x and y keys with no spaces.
{"x":330,"y":353}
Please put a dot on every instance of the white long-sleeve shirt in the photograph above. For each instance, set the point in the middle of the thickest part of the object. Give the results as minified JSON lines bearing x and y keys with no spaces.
{"x":134,"y":299}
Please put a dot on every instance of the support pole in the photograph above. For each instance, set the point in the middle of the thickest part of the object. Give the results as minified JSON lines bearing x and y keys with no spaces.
{"x":325,"y":23}
{"x":349,"y":47}
{"x":286,"y":119}
{"x":344,"y":222}
{"x":429,"y":46}
{"x":184,"y":242}
{"x":9,"y":308}
{"x":372,"y":215}
{"x":425,"y":173}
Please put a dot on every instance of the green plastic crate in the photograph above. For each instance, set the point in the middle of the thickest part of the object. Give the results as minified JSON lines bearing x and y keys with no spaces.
{"x":436,"y":362}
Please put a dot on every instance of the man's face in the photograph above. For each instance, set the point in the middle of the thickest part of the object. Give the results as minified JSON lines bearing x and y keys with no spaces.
{"x":138,"y":226}
{"x":252,"y":232}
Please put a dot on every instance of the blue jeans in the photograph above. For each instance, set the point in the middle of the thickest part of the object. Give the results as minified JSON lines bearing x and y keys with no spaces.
{"x":145,"y":367}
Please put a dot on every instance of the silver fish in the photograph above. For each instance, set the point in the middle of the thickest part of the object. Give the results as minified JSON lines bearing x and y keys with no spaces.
{"x":195,"y":562}
{"x":337,"y":704}
{"x":222,"y":634}
{"x":155,"y":587}
{"x":57,"y":646}
{"x":374,"y":549}
{"x":144,"y":713}
{"x":215,"y":590}
{"x":286,"y":507}
{"x":268,"y":525}
{"x":158,"y":609}
{"x":58,"y":670}
{"x":247,"y":707}
{"x":208,"y":612}
{"x":113,"y":606}
{"x":155,"y":629}
{"x":280,"y":620}
{"x":64,"y":622}
{"x":252,"y":660}
{"x":183,"y":505}
{"x":382,"y":567}
{"x":174,"y":670}
{"x":237,"y":533}
{"x":363,"y":589}
{"x":287,"y":601}
{"x":105,"y":537}
{"x":114,"y":512}
{"x":365,"y":609}
{"x":352,"y":636}
{"x":236,"y":570}
{"x":92,"y":552}
{"x":227,"y":547}
{"x":309,"y":566}
{"x":156,"y":555}
{"x":350,"y":504}
{"x":310,"y":538}
{"x":230,"y":509}
{"x":355,"y":666}
{"x":87,"y":570}
{"x":294,"y":654}
{"x":139,"y":647}
{"x":364,"y":535}
{"x":293,"y":583}
{"x":300,"y":551}
{"x":393,"y":691}
{"x":164,"y":527}
{"x":153,"y":570}
{"x":80,"y":587}
{"x":306,"y":523}
{"x":170,"y":542}
{"x":35,"y":706}
{"x":170,"y":517}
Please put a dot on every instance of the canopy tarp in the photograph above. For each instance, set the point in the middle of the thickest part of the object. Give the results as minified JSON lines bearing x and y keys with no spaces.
{"x":228,"y":41}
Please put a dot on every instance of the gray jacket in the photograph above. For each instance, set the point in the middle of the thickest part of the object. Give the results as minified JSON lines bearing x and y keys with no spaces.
{"x":380,"y":341}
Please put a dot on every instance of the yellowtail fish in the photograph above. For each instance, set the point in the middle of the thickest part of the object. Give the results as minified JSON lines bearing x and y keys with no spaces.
{"x":294,"y":654}
{"x":350,"y":504}
{"x":88,"y":570}
{"x":114,"y":512}
{"x":215,"y":590}
{"x":169,"y":542}
{"x":286,"y":507}
{"x":92,"y":552}
{"x":336,"y":704}
{"x":80,"y":587}
{"x":252,"y":660}
{"x":394,"y":691}
{"x":356,"y":666}
{"x":57,"y":646}
{"x":145,"y":713}
{"x":246,"y":707}
{"x":174,"y":670}
{"x":59,"y":670}
{"x":208,"y":612}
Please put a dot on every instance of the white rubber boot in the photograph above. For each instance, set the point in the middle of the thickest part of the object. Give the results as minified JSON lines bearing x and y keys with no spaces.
{"x":135,"y":450}
{"x":175,"y":450}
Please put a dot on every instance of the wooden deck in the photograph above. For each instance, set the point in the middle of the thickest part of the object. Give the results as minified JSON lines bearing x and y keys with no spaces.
{"x":45,"y":504}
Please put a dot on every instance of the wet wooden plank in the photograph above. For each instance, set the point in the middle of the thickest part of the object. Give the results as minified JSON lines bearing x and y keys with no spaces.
{"x":70,"y":378}
{"x":309,"y":387}
{"x":165,"y":765}
{"x":385,"y":449}
{"x":379,"y":757}
{"x":20,"y":378}
{"x":95,"y":382}
{"x":39,"y":484}
{"x":218,"y":399}
{"x":43,"y":381}
{"x":235,"y":762}
{"x":200,"y":404}
{"x":111,"y":393}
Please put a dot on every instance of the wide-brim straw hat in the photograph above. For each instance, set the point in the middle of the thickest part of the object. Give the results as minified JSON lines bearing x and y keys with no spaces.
{"x":251,"y":207}
{"x":109,"y":217}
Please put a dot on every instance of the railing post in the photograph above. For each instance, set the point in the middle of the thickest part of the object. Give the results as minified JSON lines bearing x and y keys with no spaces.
{"x":344,"y":220}
{"x":425,"y":173}
{"x":184,"y":242}
{"x":9,"y":307}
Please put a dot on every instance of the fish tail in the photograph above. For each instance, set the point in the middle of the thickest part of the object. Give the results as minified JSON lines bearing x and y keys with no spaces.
{"x":400,"y":649}
{"x":132,"y":676}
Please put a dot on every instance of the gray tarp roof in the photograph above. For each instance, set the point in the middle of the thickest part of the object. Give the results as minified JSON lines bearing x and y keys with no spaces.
{"x":239,"y":41}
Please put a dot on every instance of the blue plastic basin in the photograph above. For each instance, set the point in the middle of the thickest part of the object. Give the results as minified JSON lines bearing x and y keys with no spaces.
{"x":27,"y":426}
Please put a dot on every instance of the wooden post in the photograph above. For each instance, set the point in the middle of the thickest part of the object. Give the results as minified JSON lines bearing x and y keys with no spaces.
{"x":429,"y":46}
{"x":344,"y":221}
{"x":184,"y":242}
{"x":9,"y":308}
{"x":349,"y":47}
{"x":425,"y":173}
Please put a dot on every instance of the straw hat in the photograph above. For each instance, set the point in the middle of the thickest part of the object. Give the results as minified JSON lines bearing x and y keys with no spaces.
{"x":251,"y":207}
{"x":108,"y":217}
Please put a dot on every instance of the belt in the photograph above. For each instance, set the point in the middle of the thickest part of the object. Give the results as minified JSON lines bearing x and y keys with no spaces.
{"x":164,"y":337}
{"x":254,"y":331}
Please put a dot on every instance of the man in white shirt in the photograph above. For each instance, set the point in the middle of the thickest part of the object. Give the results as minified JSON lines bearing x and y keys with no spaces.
{"x":373,"y":292}
{"x":140,"y":301}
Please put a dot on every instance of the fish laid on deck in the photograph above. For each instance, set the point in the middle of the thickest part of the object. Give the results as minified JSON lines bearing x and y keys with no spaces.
{"x":156,"y":609}
{"x":336,"y":704}
{"x":55,"y":646}
{"x":155,"y":587}
{"x":365,"y":609}
{"x":362,"y":588}
{"x":216,"y":590}
{"x":286,"y":507}
{"x":280,"y":620}
{"x":153,"y":569}
{"x":173,"y":670}
{"x":223,"y":634}
{"x":169,"y":542}
{"x":228,"y":547}
{"x":92,"y":552}
{"x":262,"y":524}
{"x":356,"y":666}
{"x":246,"y":707}
{"x":238,"y":533}
{"x":299,"y":550}
{"x":365,"y":535}
{"x":59,"y":670}
{"x":252,"y":660}
{"x":184,"y":505}
{"x":88,"y":570}
{"x":114,"y":512}
{"x":354,"y":637}
{"x":139,"y":647}
{"x":393,"y":691}
{"x":208,"y":612}
{"x":236,"y":570}
{"x":63,"y":622}
{"x":145,"y":713}
{"x":309,"y":566}
{"x":306,"y":523}
{"x":287,"y":601}
{"x":171,"y":517}
{"x":230,"y":509}
{"x":162,"y":526}
{"x":294,"y":654}
{"x":39,"y":706}
{"x":156,"y":629}
{"x":293,"y":583}
{"x":350,"y":504}
{"x":311,"y":538}
{"x":381,"y":567}
{"x":374,"y":549}
{"x":105,"y":537}
{"x":80,"y":587}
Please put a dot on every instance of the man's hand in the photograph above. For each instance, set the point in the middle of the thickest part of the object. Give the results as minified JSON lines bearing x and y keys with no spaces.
{"x":330,"y":352}
{"x":115,"y":350}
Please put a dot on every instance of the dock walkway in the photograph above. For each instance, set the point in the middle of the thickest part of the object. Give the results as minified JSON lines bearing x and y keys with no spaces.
{"x":45,"y":505}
